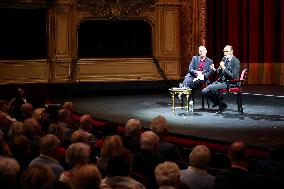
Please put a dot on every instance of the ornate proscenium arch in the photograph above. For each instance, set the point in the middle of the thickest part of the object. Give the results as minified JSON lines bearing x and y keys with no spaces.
{"x":116,"y":8}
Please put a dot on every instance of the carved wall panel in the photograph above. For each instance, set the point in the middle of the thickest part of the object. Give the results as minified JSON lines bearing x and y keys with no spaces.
{"x":61,"y":32}
{"x":23,"y":71}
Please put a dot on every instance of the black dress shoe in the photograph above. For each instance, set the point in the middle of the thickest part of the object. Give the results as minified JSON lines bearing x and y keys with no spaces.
{"x":214,"y":105}
{"x":224,"y":106}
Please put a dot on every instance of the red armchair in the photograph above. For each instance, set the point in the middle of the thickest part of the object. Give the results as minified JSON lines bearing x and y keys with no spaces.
{"x":234,"y":87}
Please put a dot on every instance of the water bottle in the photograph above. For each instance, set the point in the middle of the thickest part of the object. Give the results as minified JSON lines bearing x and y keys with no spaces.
{"x":190,"y":106}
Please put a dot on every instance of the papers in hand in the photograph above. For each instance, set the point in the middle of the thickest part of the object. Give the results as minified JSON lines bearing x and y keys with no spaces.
{"x":200,"y":76}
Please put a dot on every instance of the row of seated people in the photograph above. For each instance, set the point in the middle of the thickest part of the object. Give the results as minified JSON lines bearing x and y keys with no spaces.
{"x":61,"y":146}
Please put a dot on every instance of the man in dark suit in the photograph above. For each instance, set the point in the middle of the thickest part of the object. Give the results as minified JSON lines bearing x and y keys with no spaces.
{"x":229,"y":69}
{"x":237,"y":176}
{"x":199,"y":69}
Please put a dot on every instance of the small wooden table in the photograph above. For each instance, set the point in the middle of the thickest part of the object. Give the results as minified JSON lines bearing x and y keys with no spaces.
{"x":183,"y":92}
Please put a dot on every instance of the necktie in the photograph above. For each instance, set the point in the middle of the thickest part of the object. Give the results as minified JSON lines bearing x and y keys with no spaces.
{"x":227,"y":63}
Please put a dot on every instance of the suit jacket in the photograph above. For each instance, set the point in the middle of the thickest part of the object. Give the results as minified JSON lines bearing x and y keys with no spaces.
{"x":192,"y":68}
{"x":232,"y":70}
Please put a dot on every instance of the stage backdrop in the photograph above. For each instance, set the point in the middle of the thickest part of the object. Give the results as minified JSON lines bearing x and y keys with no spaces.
{"x":256,"y":31}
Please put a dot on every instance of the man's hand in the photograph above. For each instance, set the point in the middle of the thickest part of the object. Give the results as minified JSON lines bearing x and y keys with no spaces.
{"x":222,"y":65}
{"x":212,"y":67}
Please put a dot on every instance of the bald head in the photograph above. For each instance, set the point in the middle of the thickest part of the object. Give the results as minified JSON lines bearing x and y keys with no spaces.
{"x":238,"y":151}
{"x":202,"y":52}
{"x":86,"y":122}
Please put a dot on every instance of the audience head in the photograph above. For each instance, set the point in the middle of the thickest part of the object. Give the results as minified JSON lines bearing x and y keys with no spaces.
{"x":77,"y":153}
{"x":199,"y":156}
{"x":149,"y":140}
{"x":39,"y":114}
{"x":49,"y":145}
{"x":56,"y":129}
{"x":79,"y":136}
{"x":26,"y":110}
{"x":4,"y":105}
{"x":85,"y":176}
{"x":4,"y":123}
{"x":238,"y":153}
{"x":69,"y":105}
{"x":132,"y":127}
{"x":20,"y":145}
{"x":21,"y":93}
{"x":64,"y":115}
{"x":167,"y":174}
{"x":159,"y":126}
{"x":119,"y":163}
{"x":9,"y":169}
{"x":17,"y":128}
{"x":37,"y":176}
{"x":86,"y":122}
{"x":32,"y":128}
{"x":110,"y":145}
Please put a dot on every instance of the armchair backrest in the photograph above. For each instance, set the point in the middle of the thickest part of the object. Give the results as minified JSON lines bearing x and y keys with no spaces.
{"x":244,"y":74}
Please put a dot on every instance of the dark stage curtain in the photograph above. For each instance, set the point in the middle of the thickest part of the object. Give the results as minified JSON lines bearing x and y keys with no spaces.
{"x":255,"y":28}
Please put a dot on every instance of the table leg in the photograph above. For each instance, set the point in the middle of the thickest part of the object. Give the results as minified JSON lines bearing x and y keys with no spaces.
{"x":173,"y":102}
{"x":187,"y":103}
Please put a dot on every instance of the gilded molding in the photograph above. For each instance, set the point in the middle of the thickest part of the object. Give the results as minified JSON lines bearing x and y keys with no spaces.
{"x":116,"y":8}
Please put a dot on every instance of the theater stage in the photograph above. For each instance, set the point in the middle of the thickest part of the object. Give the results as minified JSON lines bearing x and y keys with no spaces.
{"x":263,"y":117}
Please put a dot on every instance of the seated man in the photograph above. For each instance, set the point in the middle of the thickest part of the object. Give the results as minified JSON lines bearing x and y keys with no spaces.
{"x":199,"y":69}
{"x":229,"y":69}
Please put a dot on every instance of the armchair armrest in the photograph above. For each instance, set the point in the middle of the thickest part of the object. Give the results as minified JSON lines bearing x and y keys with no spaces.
{"x":236,"y":82}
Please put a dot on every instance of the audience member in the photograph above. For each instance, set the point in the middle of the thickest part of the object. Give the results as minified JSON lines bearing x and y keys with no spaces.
{"x":20,"y":147}
{"x":167,"y":175}
{"x":76,"y":154}
{"x":5,"y":126}
{"x":32,"y":130}
{"x":111,"y":145}
{"x":17,"y":128}
{"x":38,"y":176}
{"x":64,"y":119}
{"x":5,"y":107}
{"x":170,"y":151}
{"x":69,"y":105}
{"x":131,"y":137}
{"x":9,"y":169}
{"x":41,"y":116}
{"x":237,"y":176}
{"x":17,"y":102}
{"x":118,"y":172}
{"x":4,"y":147}
{"x":49,"y":145}
{"x":196,"y":176}
{"x":274,"y":166}
{"x":85,"y":177}
{"x":79,"y":136}
{"x":26,"y":111}
{"x":58,"y":130}
{"x":86,"y":124}
{"x":145,"y":161}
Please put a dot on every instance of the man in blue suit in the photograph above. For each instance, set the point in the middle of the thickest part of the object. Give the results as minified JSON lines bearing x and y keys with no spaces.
{"x":199,"y":69}
{"x":229,"y":69}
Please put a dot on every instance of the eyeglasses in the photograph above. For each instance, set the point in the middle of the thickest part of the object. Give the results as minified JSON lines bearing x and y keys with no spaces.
{"x":225,"y":51}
